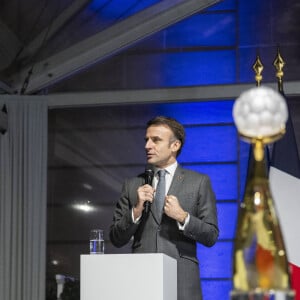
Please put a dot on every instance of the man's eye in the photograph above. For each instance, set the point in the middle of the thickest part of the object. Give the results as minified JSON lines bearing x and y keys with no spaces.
{"x":154,"y":140}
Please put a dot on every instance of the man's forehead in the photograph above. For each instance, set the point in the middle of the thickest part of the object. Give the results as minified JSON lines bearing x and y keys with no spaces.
{"x":158,"y":130}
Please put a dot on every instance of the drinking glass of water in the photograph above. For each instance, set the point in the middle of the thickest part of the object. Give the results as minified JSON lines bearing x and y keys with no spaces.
{"x":96,"y":241}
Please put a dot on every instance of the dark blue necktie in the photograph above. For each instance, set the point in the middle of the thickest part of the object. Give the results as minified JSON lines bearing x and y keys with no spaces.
{"x":160,"y":191}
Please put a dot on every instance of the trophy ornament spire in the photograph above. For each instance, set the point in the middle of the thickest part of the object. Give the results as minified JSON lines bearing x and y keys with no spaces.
{"x":279,"y":64}
{"x":258,"y":68}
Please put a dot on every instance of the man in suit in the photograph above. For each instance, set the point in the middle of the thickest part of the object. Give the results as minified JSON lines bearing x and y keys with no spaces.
{"x":188,"y":213}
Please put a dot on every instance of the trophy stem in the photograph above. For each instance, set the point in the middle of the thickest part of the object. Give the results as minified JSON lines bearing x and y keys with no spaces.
{"x":260,"y":264}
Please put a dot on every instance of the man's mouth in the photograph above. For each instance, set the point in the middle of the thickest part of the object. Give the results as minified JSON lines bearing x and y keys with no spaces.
{"x":149,"y":155}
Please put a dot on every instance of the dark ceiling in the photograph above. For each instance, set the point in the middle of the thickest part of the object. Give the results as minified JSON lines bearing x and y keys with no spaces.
{"x":45,"y":42}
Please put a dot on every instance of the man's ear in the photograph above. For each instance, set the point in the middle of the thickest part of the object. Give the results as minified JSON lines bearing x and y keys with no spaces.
{"x":176,"y":145}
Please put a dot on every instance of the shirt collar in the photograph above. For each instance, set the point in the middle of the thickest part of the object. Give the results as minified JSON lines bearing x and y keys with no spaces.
{"x":170,"y":169}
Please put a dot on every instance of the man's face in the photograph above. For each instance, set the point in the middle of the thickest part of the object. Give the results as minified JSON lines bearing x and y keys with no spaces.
{"x":161,"y":146}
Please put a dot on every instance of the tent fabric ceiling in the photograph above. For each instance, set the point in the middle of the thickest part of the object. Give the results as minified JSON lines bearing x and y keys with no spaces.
{"x":60,"y":38}
{"x":37,"y":34}
{"x":35,"y":30}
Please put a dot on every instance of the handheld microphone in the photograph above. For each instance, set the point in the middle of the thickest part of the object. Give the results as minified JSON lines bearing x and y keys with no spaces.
{"x":149,"y":174}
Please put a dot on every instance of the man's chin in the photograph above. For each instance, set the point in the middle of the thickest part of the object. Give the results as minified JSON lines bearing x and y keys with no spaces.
{"x":150,"y":160}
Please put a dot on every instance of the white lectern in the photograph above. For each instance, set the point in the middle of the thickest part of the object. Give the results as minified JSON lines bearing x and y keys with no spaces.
{"x":128,"y":277}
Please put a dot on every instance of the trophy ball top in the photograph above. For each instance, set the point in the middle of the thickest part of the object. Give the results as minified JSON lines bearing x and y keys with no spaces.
{"x":260,"y":112}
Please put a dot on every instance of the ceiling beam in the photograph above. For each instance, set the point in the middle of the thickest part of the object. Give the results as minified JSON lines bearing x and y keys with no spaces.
{"x":54,"y":27}
{"x":163,"y":95}
{"x":160,"y":95}
{"x":106,"y":43}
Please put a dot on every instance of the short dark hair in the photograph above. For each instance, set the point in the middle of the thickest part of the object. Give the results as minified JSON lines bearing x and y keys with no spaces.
{"x":174,"y":125}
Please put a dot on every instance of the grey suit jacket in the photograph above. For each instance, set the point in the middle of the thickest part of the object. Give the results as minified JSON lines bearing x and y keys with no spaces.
{"x":156,"y":234}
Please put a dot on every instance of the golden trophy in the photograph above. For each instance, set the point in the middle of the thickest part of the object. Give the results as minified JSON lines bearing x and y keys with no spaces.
{"x":260,"y":264}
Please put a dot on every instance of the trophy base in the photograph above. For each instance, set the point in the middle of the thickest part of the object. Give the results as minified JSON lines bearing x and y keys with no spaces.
{"x":263,"y":295}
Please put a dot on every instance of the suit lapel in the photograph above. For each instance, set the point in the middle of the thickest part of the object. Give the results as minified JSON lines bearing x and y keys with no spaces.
{"x":177,"y":181}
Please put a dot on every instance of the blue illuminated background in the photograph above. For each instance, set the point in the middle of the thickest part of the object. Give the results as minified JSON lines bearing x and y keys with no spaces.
{"x":217,"y":46}
{"x":213,"y":147}
{"x":114,"y":137}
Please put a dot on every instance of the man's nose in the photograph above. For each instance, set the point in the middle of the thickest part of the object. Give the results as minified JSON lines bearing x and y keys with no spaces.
{"x":148,"y":144}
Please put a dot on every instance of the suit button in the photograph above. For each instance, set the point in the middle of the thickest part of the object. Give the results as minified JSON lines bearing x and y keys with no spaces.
{"x":158,"y":229}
